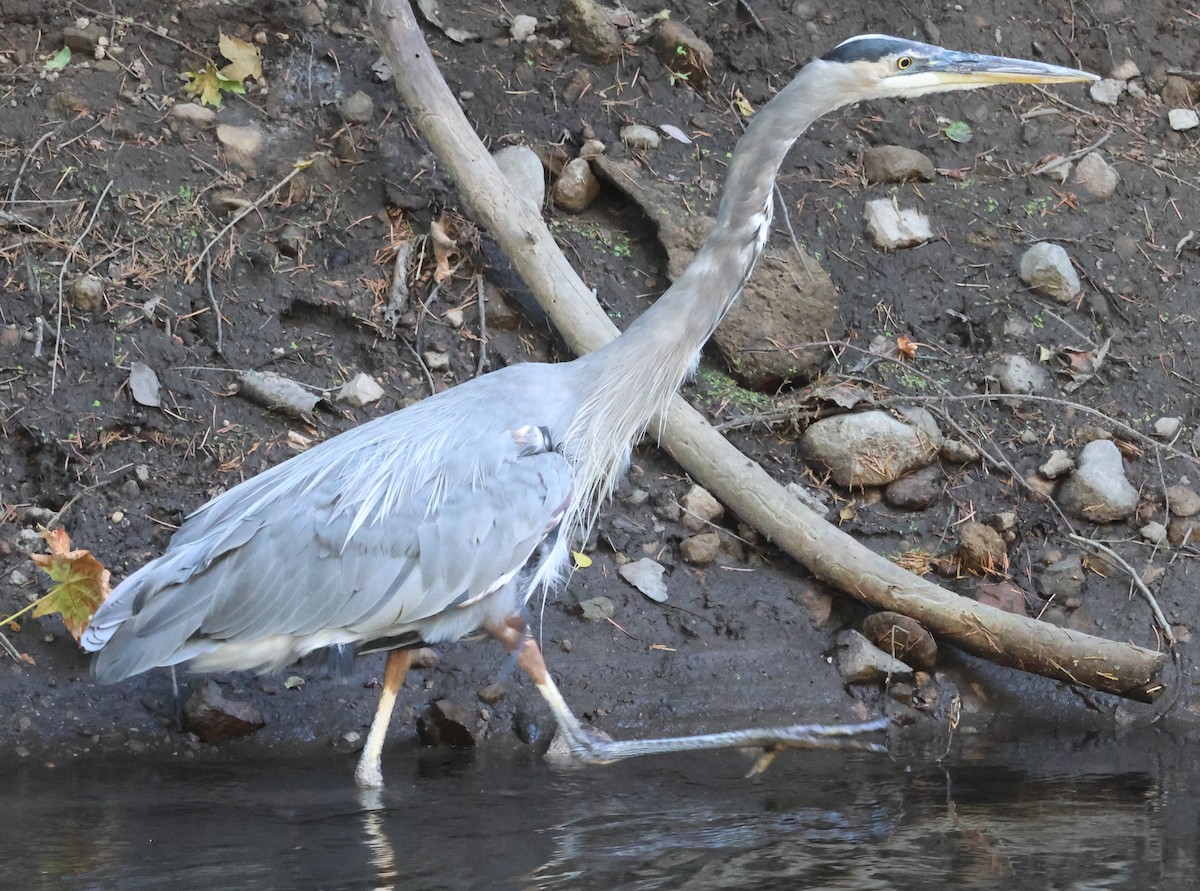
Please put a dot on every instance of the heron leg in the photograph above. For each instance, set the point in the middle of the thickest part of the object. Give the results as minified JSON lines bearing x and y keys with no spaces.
{"x":592,"y":748}
{"x":369,"y":773}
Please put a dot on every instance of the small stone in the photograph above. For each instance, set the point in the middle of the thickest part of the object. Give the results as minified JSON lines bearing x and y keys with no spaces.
{"x":917,"y":490}
{"x":955,"y":451}
{"x":1001,"y":595}
{"x":861,"y":662}
{"x":83,"y":40}
{"x":647,"y":576}
{"x":491,"y":694}
{"x":702,"y":549}
{"x":1177,"y":92}
{"x":87,"y":293}
{"x":576,"y":187}
{"x":597,"y":609}
{"x":640,"y":137}
{"x":1183,"y":119}
{"x":18,"y":578}
{"x":1098,"y":490}
{"x":1046,"y":267}
{"x":870,"y":448}
{"x":523,"y":28}
{"x":311,"y":15}
{"x":523,"y":169}
{"x":242,"y":143}
{"x":1107,"y":91}
{"x":425,"y":657}
{"x":213,"y":718}
{"x":1183,"y":530}
{"x":700,"y":509}
{"x":1058,"y":464}
{"x":592,"y":33}
{"x":682,"y":52}
{"x":1016,"y":374}
{"x":593,"y":148}
{"x":360,"y":390}
{"x":902,"y":637}
{"x":142,"y":472}
{"x":1182,"y":501}
{"x":446,"y":723}
{"x":192,"y":113}
{"x":291,"y":241}
{"x":1063,"y":579}
{"x":358,"y":108}
{"x":436,"y":360}
{"x":117,"y":516}
{"x":1126,"y":70}
{"x":981,"y":550}
{"x":1094,"y":178}
{"x":1168,"y":428}
{"x":1155,"y":533}
{"x":892,"y":228}
{"x":896,"y":164}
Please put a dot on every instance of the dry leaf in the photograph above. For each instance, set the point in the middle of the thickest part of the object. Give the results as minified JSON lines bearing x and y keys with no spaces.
{"x":906,"y":347}
{"x":444,"y":251}
{"x":245,"y":59}
{"x":209,"y":84}
{"x":80,"y":582}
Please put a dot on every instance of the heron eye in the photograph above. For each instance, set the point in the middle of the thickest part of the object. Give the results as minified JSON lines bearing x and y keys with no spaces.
{"x":904,"y":62}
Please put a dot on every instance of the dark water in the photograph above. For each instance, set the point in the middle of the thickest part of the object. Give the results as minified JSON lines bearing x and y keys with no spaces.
{"x":1065,"y":813}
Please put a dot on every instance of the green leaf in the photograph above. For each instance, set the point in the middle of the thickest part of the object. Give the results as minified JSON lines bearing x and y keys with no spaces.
{"x":959,"y":131}
{"x":59,"y":60}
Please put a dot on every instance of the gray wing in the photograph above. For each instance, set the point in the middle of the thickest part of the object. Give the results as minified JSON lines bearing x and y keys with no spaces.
{"x":301,"y":570}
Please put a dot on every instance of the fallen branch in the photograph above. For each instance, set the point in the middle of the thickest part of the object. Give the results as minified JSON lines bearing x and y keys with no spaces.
{"x":744,"y":487}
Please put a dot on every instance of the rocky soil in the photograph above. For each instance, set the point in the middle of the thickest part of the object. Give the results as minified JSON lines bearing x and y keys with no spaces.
{"x":992,"y":348}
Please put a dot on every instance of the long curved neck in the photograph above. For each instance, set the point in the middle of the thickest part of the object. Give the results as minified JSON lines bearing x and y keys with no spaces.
{"x":647,"y":363}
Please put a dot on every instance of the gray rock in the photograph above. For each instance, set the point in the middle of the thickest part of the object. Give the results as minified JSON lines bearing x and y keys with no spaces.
{"x":592,"y":33}
{"x":1182,"y":501}
{"x":192,"y":113}
{"x":640,"y":137}
{"x":1047,"y":269}
{"x":1183,"y":119}
{"x":700,"y":509}
{"x":1168,"y":428}
{"x":213,"y":718}
{"x":86,"y":292}
{"x":647,"y":576}
{"x":242,"y":142}
{"x":891,"y":228}
{"x":83,"y":40}
{"x":701,"y":549}
{"x":1098,"y":490}
{"x":523,"y":169}
{"x":597,"y":609}
{"x":436,"y":360}
{"x":1127,"y":69}
{"x":955,"y":451}
{"x":576,"y":187}
{"x":1063,"y":579}
{"x":896,"y":164}
{"x":869,"y":448}
{"x":1107,"y":91}
{"x":523,"y":28}
{"x":681,"y":51}
{"x":360,"y":390}
{"x":1016,"y":374}
{"x":1155,"y":533}
{"x":861,"y":662}
{"x":981,"y":550}
{"x":917,"y":490}
{"x":1058,"y":464}
{"x":358,"y":108}
{"x":1094,"y":178}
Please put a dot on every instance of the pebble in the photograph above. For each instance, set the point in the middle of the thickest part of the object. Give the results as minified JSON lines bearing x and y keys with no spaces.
{"x":87,"y":292}
{"x":523,"y":169}
{"x":597,"y":609}
{"x":358,"y":108}
{"x":1107,"y":91}
{"x":861,"y":662}
{"x":83,"y":40}
{"x":917,"y":490}
{"x":523,"y":28}
{"x":896,"y":164}
{"x":647,"y":576}
{"x":454,"y":317}
{"x":360,"y":390}
{"x":446,"y":723}
{"x":892,"y":229}
{"x":640,"y":137}
{"x":213,"y":717}
{"x":903,"y":637}
{"x":1183,"y":119}
{"x":981,"y":550}
{"x":1168,"y":428}
{"x":243,"y":143}
{"x":436,"y":360}
{"x":1094,"y":178}
{"x":871,"y":448}
{"x":1001,"y":595}
{"x":702,"y":549}
{"x":491,"y":694}
{"x":192,"y":113}
{"x":1182,"y":501}
{"x":1155,"y":533}
{"x":592,"y":33}
{"x":1098,"y":490}
{"x":18,"y":578}
{"x":1182,"y":530}
{"x":955,"y":451}
{"x":576,"y":187}
{"x":700,"y":509}
{"x":117,"y":516}
{"x":1058,"y":464}
{"x":1063,"y":579}
{"x":1126,"y":70}
{"x":1046,"y":267}
{"x":682,"y":52}
{"x":1017,"y":375}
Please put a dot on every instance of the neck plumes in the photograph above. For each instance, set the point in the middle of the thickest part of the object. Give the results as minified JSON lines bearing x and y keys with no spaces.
{"x":632,"y":379}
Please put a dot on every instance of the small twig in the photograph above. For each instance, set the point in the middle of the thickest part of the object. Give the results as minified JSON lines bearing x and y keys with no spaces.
{"x":39,"y":327}
{"x":1159,"y":619}
{"x":1074,"y":156}
{"x":212,"y":298}
{"x":12,"y":194}
{"x":62,"y":274}
{"x":1060,"y":101}
{"x":481,"y":365}
{"x":243,"y":213}
{"x":421,"y":362}
{"x":53,"y":521}
{"x":10,"y":649}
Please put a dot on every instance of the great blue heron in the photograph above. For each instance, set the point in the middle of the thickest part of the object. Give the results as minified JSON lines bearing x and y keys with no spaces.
{"x":440,"y":520}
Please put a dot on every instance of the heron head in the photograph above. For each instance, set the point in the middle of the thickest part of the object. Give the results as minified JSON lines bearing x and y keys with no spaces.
{"x":888,"y":67}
